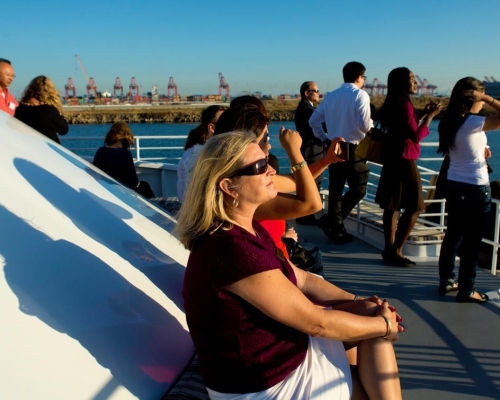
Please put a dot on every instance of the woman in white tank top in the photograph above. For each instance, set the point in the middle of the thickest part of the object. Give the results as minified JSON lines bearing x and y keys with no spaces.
{"x":468,"y":195}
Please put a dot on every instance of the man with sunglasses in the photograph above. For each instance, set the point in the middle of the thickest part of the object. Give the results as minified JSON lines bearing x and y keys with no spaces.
{"x":312,"y":147}
{"x":7,"y":102}
{"x":346,"y":114}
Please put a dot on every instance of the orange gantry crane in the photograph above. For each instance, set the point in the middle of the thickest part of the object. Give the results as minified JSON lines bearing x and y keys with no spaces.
{"x":223,"y":85}
{"x":91,"y":85}
{"x":118,"y":86}
{"x":171,"y":85}
{"x":70,"y":97}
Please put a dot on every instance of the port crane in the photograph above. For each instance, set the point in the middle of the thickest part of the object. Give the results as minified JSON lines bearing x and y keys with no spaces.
{"x":133,"y":87}
{"x":69,"y":87}
{"x":223,"y":85}
{"x":118,"y":86}
{"x":424,"y":87}
{"x":91,"y":86}
{"x":171,"y":85}
{"x":376,"y":88}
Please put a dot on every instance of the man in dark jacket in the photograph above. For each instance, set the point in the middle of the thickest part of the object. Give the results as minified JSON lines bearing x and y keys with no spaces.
{"x":312,"y":147}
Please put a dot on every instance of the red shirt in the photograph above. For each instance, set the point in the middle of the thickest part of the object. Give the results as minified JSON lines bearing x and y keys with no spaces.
{"x":240,"y":349}
{"x":8,"y":103}
{"x":276,"y":228}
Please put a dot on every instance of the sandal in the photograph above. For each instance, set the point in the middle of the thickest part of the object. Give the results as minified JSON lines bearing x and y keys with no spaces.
{"x":449,"y":287}
{"x":396,"y":261}
{"x":470,"y":299}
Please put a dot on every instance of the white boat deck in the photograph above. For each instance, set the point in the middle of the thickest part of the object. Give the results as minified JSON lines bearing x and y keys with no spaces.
{"x":450,"y":350}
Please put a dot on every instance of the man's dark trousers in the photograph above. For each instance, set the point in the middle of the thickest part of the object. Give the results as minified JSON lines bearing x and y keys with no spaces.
{"x":356,"y":173}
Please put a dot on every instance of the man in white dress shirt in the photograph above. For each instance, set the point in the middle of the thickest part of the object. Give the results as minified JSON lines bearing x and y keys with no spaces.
{"x":346,"y":114}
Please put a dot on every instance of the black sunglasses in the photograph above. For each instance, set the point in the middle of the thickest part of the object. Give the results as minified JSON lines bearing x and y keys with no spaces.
{"x":313,"y":90}
{"x":257,"y":168}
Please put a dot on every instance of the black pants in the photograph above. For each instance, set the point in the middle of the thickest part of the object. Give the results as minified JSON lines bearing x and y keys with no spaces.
{"x":313,"y":152}
{"x":356,"y":173}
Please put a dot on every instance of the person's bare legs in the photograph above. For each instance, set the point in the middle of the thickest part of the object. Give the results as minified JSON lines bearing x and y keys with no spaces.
{"x":390,"y":223}
{"x":358,"y":391}
{"x":405,"y":226}
{"x":378,"y":369}
{"x":375,"y":371}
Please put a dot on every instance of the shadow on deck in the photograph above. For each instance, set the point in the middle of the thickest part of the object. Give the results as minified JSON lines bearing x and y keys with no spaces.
{"x":450,"y":350}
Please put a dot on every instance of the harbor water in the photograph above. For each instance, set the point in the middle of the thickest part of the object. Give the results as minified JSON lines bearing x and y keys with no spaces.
{"x":88,"y":148}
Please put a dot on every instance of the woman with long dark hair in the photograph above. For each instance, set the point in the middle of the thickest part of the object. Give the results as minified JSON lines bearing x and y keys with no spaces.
{"x":400,"y":186}
{"x":468,"y":194}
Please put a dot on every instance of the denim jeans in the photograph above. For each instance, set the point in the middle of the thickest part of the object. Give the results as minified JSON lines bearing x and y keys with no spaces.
{"x":468,"y":209}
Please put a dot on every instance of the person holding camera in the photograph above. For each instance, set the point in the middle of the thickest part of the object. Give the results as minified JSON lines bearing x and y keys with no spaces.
{"x":400,"y":186}
{"x":346,"y":113}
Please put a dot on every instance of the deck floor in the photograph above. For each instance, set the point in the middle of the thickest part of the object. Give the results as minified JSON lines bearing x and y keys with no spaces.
{"x":450,"y":350}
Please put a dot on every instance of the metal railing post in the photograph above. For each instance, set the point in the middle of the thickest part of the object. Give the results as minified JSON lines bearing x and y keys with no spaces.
{"x":137,"y":148}
{"x":494,"y":256}
{"x":441,"y":217}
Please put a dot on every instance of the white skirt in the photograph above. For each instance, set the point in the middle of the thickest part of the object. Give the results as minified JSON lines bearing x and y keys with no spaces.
{"x":324,"y":374}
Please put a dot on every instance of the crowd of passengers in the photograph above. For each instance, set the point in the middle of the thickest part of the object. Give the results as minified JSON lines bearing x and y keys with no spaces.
{"x":264,"y":327}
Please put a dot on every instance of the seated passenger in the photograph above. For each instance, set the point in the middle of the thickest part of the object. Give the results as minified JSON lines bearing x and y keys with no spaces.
{"x":209,"y":117}
{"x":196,"y":136}
{"x":41,"y":108}
{"x":116,"y":160}
{"x":252,"y":314}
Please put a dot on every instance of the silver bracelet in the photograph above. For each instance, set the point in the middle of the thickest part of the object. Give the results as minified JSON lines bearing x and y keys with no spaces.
{"x":355,"y":298}
{"x":389,"y":326}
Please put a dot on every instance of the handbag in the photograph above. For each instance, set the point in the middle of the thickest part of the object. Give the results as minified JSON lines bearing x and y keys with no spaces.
{"x":299,"y":256}
{"x":372,"y":146}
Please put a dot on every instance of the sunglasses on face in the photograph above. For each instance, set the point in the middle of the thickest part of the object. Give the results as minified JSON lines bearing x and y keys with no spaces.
{"x":257,"y":168}
{"x":313,"y":90}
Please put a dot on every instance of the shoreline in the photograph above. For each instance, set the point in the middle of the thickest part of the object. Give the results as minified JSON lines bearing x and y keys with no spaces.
{"x":278,"y":110}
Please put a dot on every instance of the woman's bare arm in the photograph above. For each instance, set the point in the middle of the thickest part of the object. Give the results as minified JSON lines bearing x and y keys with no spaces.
{"x":306,"y":199}
{"x":273,"y":294}
{"x":285,"y":183}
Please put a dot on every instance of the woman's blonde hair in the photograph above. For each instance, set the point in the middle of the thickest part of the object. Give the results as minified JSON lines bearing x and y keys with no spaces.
{"x":42,"y":89}
{"x":203,"y":209}
{"x":120,"y":132}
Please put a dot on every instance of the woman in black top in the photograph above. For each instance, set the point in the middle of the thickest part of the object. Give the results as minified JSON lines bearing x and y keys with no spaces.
{"x":116,"y":160}
{"x":41,"y":108}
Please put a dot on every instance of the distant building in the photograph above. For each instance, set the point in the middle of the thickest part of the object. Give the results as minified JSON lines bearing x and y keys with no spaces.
{"x":492,"y":89}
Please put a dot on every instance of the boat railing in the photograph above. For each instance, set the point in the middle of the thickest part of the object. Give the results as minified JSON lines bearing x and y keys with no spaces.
{"x":430,"y":226}
{"x":87,"y":146}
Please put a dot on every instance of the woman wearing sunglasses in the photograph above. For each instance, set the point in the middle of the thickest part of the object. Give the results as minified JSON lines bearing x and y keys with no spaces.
{"x":249,"y":114}
{"x":305,"y":199}
{"x":253,"y":315}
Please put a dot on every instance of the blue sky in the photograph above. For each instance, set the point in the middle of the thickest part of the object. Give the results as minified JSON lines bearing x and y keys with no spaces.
{"x":267,"y":46}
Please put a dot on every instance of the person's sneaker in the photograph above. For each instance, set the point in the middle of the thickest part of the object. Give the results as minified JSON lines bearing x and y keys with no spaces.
{"x":338,"y":234}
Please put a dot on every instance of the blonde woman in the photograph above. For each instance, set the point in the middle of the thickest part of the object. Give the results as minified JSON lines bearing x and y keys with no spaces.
{"x":41,"y":108}
{"x":252,"y":314}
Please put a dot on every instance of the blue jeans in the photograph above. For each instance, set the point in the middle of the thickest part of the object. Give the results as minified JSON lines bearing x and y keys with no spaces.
{"x":468,"y":209}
